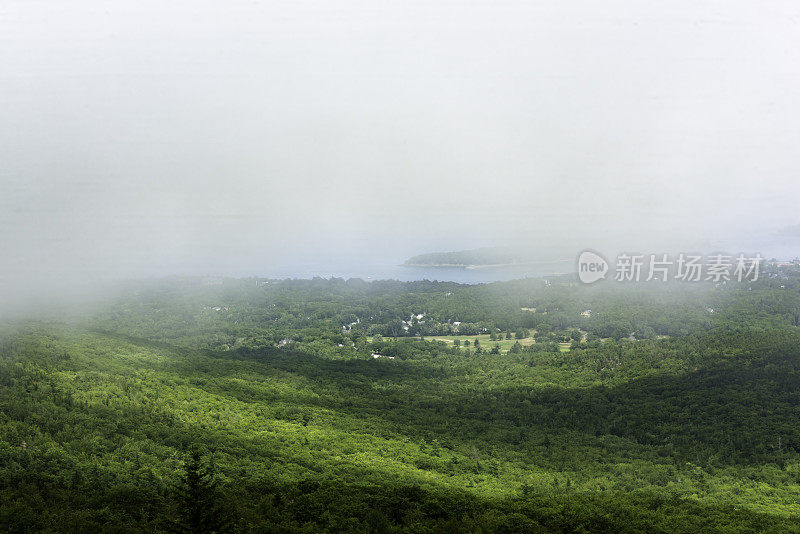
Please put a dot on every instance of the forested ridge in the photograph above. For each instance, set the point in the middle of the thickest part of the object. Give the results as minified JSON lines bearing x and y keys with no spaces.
{"x":346,"y":406}
{"x":480,"y":256}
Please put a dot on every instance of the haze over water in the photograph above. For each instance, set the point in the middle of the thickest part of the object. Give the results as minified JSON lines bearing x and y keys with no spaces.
{"x":291,"y":139}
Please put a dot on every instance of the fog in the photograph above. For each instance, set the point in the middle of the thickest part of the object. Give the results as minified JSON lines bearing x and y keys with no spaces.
{"x":271,"y":138}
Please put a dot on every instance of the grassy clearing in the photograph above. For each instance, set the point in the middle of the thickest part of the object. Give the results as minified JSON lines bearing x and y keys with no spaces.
{"x":485,"y":341}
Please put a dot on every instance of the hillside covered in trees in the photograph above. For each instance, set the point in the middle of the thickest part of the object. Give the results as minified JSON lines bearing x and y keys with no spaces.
{"x":344,"y":406}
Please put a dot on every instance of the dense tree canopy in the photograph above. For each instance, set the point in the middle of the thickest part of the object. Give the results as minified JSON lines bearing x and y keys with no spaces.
{"x":339,"y":405}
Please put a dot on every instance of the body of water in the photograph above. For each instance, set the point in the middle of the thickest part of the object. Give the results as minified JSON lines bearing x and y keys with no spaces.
{"x":406,"y":274}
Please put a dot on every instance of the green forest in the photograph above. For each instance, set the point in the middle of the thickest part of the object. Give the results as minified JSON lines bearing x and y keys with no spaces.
{"x":326,"y":405}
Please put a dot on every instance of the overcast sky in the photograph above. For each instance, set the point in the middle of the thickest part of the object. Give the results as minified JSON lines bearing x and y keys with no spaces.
{"x":142,"y":137}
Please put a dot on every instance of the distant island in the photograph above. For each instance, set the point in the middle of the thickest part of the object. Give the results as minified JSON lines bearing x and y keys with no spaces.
{"x":474,"y":259}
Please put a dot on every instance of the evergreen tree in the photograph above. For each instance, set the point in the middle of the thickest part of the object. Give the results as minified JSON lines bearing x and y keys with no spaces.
{"x":199,"y":510}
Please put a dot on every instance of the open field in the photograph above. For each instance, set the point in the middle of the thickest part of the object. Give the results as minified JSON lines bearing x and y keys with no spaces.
{"x":485,"y":342}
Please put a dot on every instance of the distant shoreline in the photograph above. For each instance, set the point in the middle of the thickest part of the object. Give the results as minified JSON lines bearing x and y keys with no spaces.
{"x":479,"y":265}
